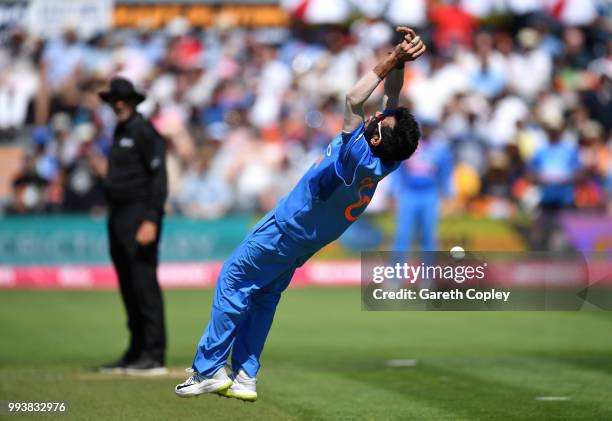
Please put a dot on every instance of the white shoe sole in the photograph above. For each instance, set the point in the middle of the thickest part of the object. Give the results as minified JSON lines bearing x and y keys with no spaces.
{"x":116,"y":370}
{"x":207,"y":386}
{"x":246,"y":396}
{"x":151,"y":372}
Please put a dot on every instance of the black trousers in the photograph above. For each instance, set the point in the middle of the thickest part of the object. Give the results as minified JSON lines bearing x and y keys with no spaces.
{"x":136,"y":268}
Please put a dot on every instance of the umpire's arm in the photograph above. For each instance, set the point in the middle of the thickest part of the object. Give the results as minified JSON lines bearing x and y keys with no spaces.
{"x":153,"y":151}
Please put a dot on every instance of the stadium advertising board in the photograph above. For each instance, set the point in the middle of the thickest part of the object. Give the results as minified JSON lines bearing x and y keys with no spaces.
{"x":201,"y":14}
{"x":48,"y":18}
{"x":82,"y":240}
{"x":588,"y":232}
{"x":71,"y":252}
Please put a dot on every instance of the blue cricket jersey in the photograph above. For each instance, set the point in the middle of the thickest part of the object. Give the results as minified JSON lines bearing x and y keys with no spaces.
{"x":334,"y":191}
{"x":428,"y":170}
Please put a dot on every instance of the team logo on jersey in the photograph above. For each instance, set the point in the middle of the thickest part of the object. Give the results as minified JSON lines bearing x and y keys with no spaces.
{"x":155,"y":163}
{"x":126,"y":142}
{"x":364,"y":199}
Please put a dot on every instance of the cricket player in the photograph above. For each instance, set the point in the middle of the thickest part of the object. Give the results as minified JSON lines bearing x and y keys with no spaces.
{"x":428,"y":177}
{"x":324,"y":203}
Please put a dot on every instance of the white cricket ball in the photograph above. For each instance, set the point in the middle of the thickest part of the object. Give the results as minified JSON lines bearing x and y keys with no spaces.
{"x":457,"y":253}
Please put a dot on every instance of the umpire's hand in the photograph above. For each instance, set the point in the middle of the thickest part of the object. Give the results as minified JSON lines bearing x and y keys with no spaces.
{"x":147,"y":232}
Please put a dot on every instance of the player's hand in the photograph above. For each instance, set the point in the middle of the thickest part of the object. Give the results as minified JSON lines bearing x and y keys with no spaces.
{"x":147,"y":232}
{"x":408,"y":33}
{"x":412,"y":46}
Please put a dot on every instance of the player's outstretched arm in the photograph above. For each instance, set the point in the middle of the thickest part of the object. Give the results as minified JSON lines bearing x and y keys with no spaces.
{"x":408,"y":50}
{"x":393,"y":87}
{"x":395,"y":80}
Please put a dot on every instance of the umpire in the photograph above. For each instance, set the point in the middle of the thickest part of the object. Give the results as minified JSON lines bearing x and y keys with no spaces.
{"x":136,"y":186}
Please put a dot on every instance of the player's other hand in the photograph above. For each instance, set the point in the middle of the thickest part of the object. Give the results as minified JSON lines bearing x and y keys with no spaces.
{"x":146,"y":234}
{"x":411,"y":47}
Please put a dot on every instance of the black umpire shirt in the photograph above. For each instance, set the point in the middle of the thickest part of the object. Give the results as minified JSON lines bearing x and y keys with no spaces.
{"x":137,"y":167}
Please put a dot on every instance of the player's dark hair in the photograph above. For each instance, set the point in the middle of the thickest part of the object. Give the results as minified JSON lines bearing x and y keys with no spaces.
{"x":398,"y":143}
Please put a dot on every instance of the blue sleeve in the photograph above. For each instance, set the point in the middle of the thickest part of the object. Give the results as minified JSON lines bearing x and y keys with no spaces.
{"x":446,"y":172}
{"x":353,"y":151}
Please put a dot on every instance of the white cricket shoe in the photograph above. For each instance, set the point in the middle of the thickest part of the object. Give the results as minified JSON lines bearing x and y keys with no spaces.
{"x":197,"y":384}
{"x":243,"y":388}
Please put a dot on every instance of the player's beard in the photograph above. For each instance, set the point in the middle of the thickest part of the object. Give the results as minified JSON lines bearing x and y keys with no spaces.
{"x":381,"y":149}
{"x":371,"y":130}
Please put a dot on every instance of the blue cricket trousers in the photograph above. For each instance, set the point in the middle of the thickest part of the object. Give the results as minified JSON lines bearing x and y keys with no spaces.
{"x":417,"y":209}
{"x":247,"y":293}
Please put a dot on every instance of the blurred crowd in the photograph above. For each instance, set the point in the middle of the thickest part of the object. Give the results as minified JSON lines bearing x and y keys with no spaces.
{"x":522,"y":96}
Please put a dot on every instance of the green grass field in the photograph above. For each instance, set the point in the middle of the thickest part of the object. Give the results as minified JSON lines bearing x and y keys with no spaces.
{"x":325,"y":360}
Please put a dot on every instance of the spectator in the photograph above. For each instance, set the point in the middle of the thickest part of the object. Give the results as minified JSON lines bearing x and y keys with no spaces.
{"x":83,"y":185}
{"x":598,"y":99}
{"x":454,"y":25}
{"x":28,"y":189}
{"x":18,"y":83}
{"x":529,"y":70}
{"x":205,"y":194}
{"x":61,"y":62}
